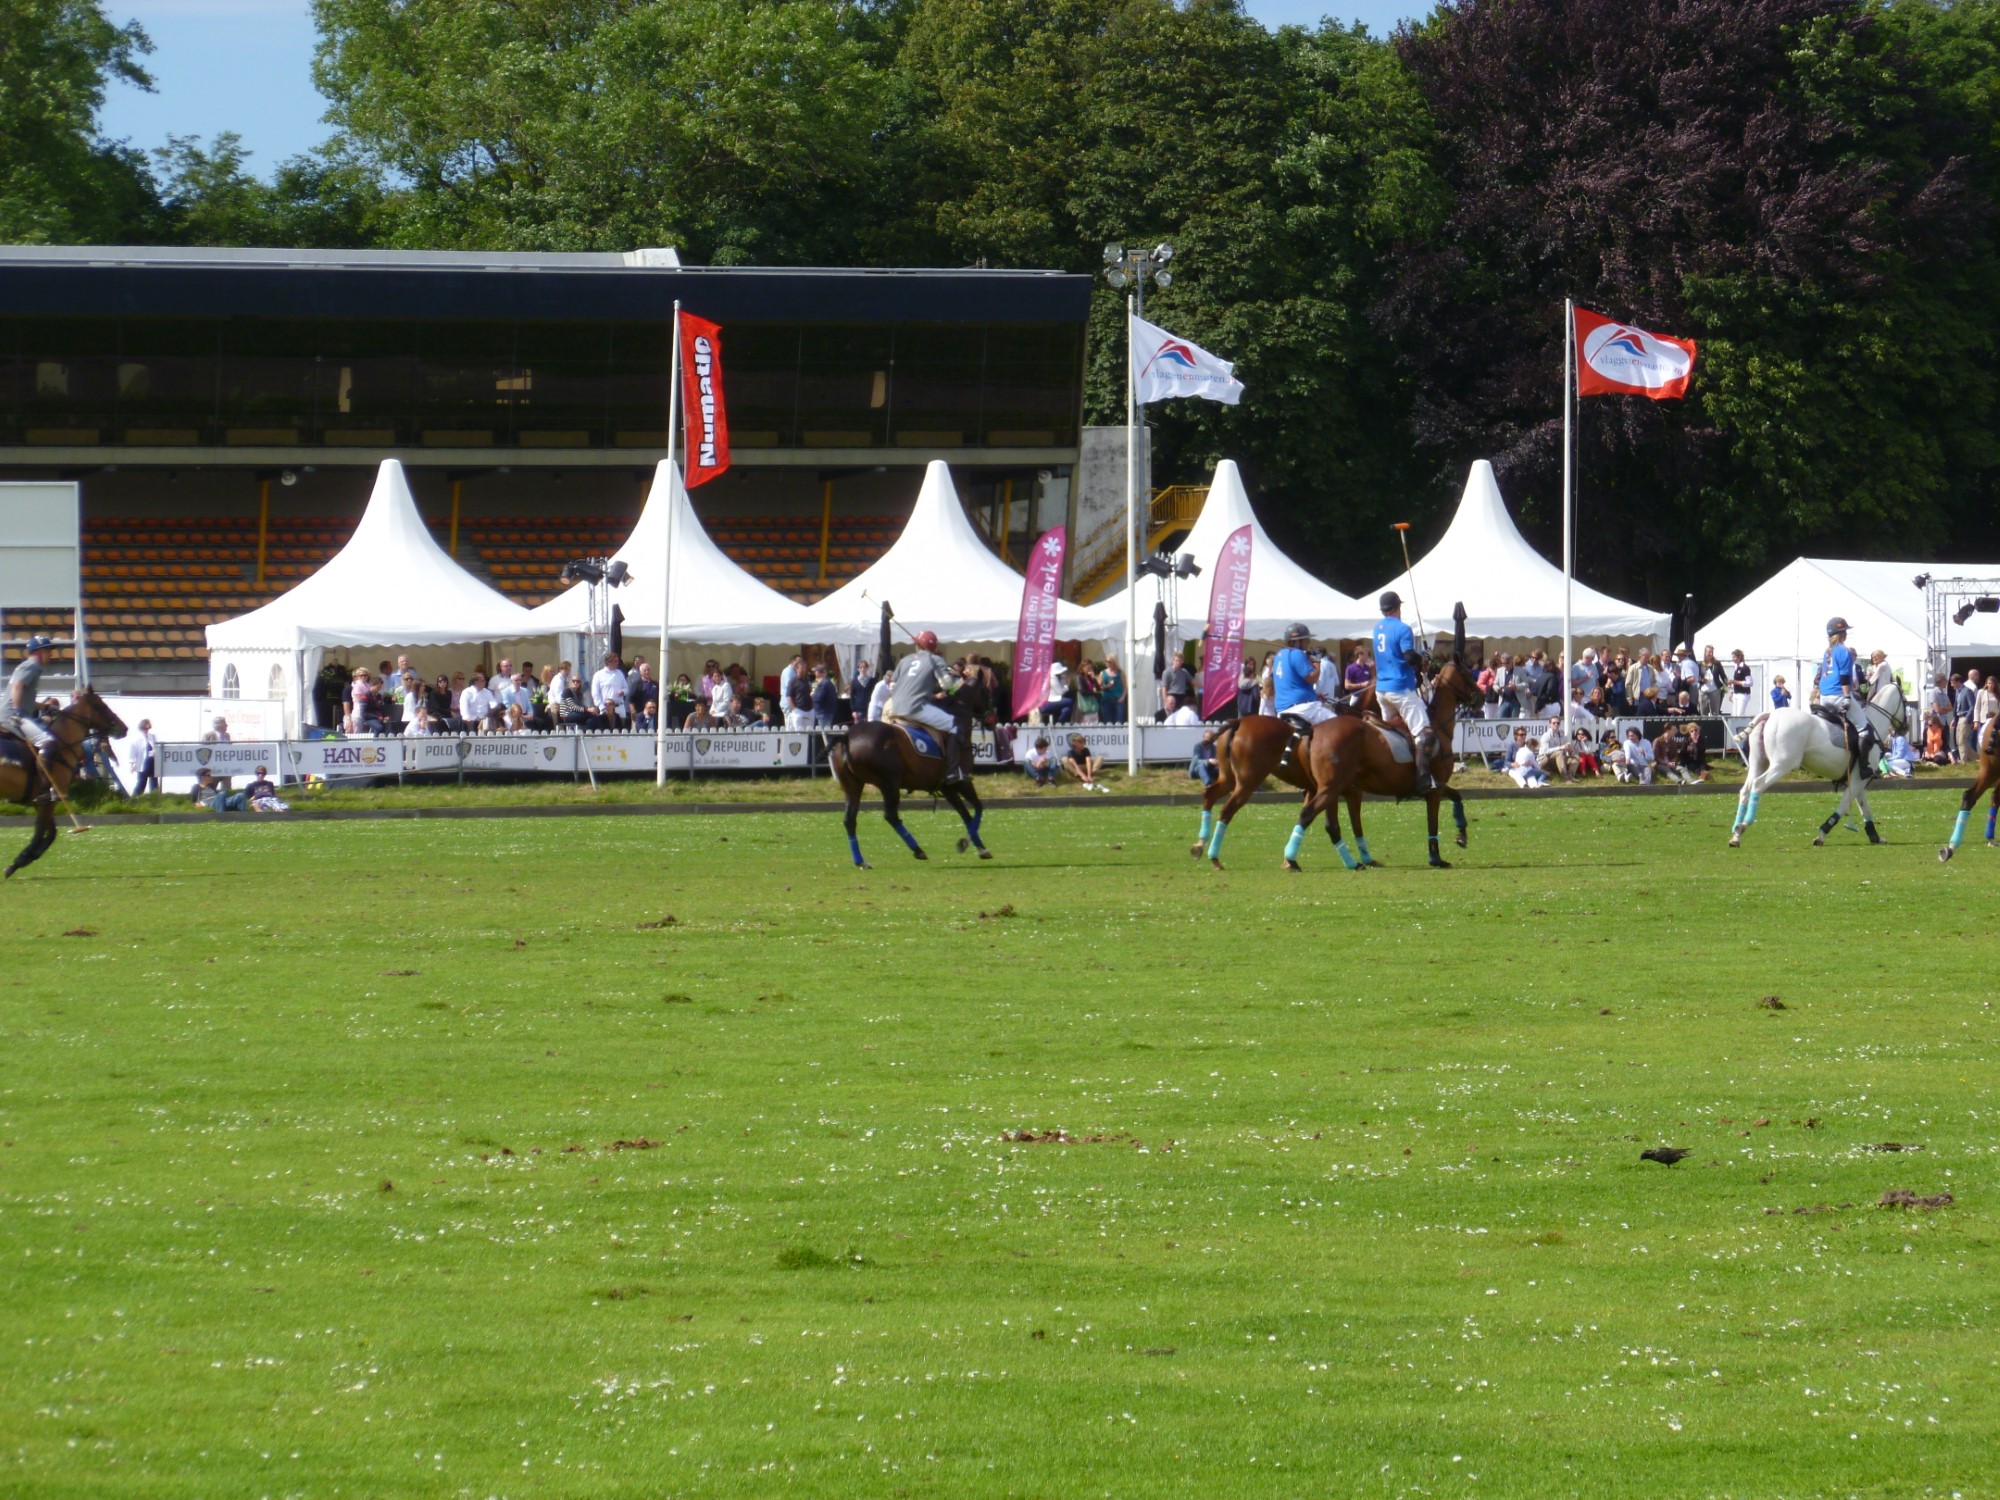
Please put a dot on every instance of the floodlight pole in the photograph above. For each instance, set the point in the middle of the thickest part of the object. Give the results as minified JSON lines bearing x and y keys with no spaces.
{"x":667,"y":559}
{"x":1569,"y":512}
{"x":1131,"y":547}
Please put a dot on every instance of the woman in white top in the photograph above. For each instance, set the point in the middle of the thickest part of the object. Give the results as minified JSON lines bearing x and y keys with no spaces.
{"x":878,"y":700}
{"x":1267,"y":690}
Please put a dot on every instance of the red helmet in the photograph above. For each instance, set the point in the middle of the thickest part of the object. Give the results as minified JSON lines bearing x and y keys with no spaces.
{"x":927,"y":639}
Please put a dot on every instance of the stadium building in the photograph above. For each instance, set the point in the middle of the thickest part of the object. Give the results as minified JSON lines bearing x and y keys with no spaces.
{"x":223,"y":411}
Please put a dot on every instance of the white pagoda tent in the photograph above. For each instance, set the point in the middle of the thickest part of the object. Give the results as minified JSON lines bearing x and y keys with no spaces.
{"x":1780,"y":626}
{"x":1513,"y":596}
{"x":391,"y":588}
{"x":939,"y":576}
{"x":713,"y":601}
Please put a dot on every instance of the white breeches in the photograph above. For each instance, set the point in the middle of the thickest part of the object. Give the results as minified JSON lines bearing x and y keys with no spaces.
{"x":934,"y":717}
{"x":1312,"y":711}
{"x":1407,"y":705}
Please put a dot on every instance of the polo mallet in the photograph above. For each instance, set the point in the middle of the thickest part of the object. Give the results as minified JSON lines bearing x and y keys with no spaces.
{"x":1403,"y":536}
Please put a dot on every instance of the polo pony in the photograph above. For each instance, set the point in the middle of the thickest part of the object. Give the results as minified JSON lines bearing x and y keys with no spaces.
{"x":23,"y":782}
{"x":1790,"y":739}
{"x":1345,"y":757}
{"x":1989,"y":776}
{"x":881,"y":754}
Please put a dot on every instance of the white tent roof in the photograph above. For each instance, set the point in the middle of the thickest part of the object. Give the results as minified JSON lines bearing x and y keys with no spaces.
{"x":1784,"y":618}
{"x":391,"y":585}
{"x":939,"y":576}
{"x":1281,"y":592}
{"x":714,"y":602}
{"x":1510,"y":591}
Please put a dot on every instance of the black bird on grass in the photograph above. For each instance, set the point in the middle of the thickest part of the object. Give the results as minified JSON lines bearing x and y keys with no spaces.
{"x":1666,"y":1156}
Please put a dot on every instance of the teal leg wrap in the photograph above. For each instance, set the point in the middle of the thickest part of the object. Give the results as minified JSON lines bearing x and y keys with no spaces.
{"x":1361,"y":847}
{"x":1215,"y":840}
{"x":1207,"y":825}
{"x":1347,"y":855}
{"x":1292,"y":844}
{"x":1958,"y":828}
{"x":1751,"y":816}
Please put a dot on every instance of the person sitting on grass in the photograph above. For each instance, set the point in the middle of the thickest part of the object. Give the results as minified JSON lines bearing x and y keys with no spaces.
{"x":1638,"y":758}
{"x":1902,"y":760}
{"x":1583,"y":749}
{"x":1694,"y":754}
{"x":263,"y":796}
{"x":1084,"y":766}
{"x":1041,"y":764}
{"x":1667,"y":757}
{"x":1201,"y":765}
{"x":1524,"y":762}
{"x":209,"y":794}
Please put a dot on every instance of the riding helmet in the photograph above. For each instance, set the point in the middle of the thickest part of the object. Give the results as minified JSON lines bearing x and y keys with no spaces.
{"x":1389,"y":601}
{"x":927,"y":640}
{"x":1297,"y":632}
{"x":1836,"y":626}
{"x":38,"y":643}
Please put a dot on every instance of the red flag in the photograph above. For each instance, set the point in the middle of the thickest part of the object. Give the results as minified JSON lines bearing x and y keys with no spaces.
{"x":1616,"y":359}
{"x":1228,"y":597}
{"x":701,"y":400}
{"x":1035,"y":636}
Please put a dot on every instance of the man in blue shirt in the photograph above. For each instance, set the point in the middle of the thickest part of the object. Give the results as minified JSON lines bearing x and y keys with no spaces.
{"x":1293,"y":675}
{"x":1396,"y":684}
{"x":1839,"y":673}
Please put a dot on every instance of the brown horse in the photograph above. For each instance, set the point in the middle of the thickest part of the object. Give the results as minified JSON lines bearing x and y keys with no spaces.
{"x":1345,"y":756}
{"x":1989,"y":776}
{"x":22,"y":781}
{"x":880,"y":755}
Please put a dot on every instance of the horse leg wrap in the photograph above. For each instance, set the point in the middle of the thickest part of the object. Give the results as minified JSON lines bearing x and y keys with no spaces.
{"x":1832,"y":822}
{"x":1992,"y":814}
{"x":1292,"y":844}
{"x":1436,"y":859}
{"x":1215,"y":839}
{"x":1868,"y":827}
{"x":1750,"y":815}
{"x":1958,"y":827}
{"x":1207,"y":825}
{"x":1458,"y":813}
{"x":907,"y":837}
{"x":854,"y":848}
{"x":1361,"y":848}
{"x":1346,"y":855}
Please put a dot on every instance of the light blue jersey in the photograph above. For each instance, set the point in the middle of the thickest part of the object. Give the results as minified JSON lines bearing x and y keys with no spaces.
{"x":1393,"y":643}
{"x":1836,"y":671}
{"x":1290,"y":674}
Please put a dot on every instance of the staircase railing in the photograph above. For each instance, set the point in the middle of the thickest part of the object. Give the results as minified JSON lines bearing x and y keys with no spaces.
{"x":1172,"y":509}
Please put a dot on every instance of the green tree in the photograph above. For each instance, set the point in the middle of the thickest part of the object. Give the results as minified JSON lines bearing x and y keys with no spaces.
{"x":734,"y":129}
{"x":210,"y":197}
{"x":59,"y":182}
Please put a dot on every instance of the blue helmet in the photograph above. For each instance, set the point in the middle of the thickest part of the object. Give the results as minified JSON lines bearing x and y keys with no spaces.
{"x":1836,"y":626}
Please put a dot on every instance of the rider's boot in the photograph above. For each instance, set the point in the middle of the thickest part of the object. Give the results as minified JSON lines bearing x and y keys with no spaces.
{"x":954,"y":759}
{"x":1870,"y":754}
{"x":1426,"y":752}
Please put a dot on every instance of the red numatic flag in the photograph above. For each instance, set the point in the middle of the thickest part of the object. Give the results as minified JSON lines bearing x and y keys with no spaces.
{"x":1616,"y":359}
{"x":701,"y":400}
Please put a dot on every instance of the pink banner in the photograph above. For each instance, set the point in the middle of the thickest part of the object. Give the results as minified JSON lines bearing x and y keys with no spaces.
{"x":1222,"y":647}
{"x":1035,"y":640}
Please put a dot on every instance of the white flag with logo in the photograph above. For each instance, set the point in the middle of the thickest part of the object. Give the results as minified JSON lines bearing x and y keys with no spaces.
{"x":1164,"y":366}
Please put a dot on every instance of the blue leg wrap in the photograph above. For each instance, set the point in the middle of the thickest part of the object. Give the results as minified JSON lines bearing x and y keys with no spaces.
{"x":1347,"y":855}
{"x":1992,"y":813}
{"x":1958,"y":828}
{"x":907,"y":836}
{"x":1361,"y":848}
{"x":1207,"y":825}
{"x":1751,"y":817}
{"x":1215,"y":840}
{"x":1292,"y":844}
{"x":854,"y":848}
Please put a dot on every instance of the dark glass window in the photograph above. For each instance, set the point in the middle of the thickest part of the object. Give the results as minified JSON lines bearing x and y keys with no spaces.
{"x":939,"y":372}
{"x":844,"y":387}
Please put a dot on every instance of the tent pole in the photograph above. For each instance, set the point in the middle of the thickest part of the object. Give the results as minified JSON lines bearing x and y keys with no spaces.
{"x":666,"y":561}
{"x":1569,"y":515}
{"x":1131,"y":554}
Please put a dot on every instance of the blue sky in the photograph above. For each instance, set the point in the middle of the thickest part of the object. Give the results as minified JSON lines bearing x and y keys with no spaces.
{"x":246,"y":66}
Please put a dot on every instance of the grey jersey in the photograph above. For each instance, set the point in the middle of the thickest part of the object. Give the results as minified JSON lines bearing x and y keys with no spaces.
{"x":916,"y":682}
{"x":21,"y":688}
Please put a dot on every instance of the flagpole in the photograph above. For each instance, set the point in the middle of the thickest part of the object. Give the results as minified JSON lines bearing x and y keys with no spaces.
{"x":1131,"y":555}
{"x":1569,"y":514}
{"x":667,"y":559}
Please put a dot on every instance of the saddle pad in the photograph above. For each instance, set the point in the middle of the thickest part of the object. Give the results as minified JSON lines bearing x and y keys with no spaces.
{"x":1397,"y":741}
{"x":922,"y":738}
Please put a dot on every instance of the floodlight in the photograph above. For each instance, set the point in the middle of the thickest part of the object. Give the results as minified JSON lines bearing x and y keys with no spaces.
{"x":1185,"y":566}
{"x":1163,"y":252}
{"x":1164,"y":278}
{"x":1922,"y":580}
{"x":616,"y":573}
{"x":1116,"y":276}
{"x":1113,"y":253}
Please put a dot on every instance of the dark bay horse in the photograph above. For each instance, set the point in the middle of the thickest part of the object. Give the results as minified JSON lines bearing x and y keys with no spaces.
{"x":22,"y":781}
{"x":1989,"y":776}
{"x":880,"y":755}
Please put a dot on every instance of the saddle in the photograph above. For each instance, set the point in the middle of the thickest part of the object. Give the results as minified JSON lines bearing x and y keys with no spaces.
{"x":1402,"y":744}
{"x":923,"y":739}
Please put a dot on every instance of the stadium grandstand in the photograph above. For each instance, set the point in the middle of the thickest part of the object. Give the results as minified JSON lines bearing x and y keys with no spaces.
{"x":224,"y":410}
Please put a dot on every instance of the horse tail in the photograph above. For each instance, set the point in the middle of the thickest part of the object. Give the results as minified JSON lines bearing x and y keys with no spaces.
{"x":843,"y":768}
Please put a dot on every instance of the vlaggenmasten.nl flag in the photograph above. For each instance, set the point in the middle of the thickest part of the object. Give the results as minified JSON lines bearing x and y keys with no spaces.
{"x":1164,"y":367}
{"x":1616,"y":359}
{"x":701,"y":399}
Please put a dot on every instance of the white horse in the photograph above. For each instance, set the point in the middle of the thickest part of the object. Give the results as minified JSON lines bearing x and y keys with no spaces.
{"x":1788,"y":739}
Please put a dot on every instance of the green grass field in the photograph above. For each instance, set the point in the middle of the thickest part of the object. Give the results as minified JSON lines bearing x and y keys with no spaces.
{"x":672,"y":1156}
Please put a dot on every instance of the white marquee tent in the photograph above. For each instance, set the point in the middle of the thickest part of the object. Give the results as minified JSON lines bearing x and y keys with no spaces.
{"x":714,"y":602}
{"x":940,"y":576}
{"x":390,"y":587}
{"x":1780,"y":626}
{"x":1512,"y":594}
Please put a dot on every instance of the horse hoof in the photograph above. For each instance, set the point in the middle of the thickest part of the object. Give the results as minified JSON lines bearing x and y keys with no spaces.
{"x":920,"y":854}
{"x":1216,"y":865}
{"x":963,"y":845}
{"x":1460,"y":841}
{"x":1944,"y":855}
{"x":1371,"y":864}
{"x":1293,"y":866}
{"x":864,"y":865}
{"x":1736,"y":841}
{"x":1440,"y":864}
{"x":1820,"y":842}
{"x":1197,"y":849}
{"x":985,"y":853}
